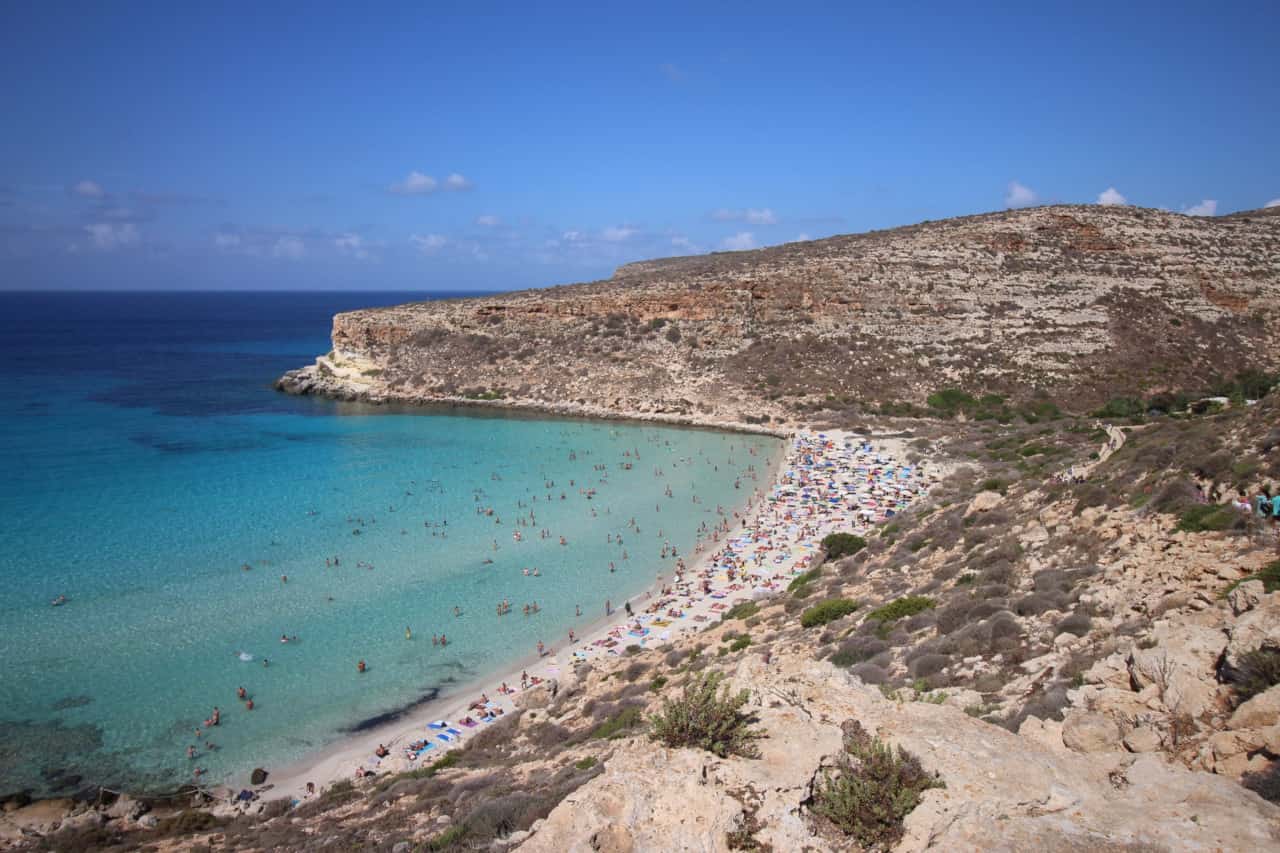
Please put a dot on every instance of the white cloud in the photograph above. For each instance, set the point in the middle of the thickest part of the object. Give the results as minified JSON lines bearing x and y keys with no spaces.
{"x":289,"y":247}
{"x":1019,"y":195}
{"x":456,"y":183}
{"x":415,"y":183}
{"x":1111,"y":196}
{"x":488,"y":220}
{"x":682,"y":242}
{"x":571,"y":236}
{"x":429,"y":244}
{"x":751,"y":216}
{"x":354,"y":245}
{"x":107,"y":236}
{"x":1275,"y":202}
{"x":420,"y":183}
{"x":1208,"y":207}
{"x":802,"y":237}
{"x":618,"y":233}
{"x":226,"y":241}
{"x":89,"y":189}
{"x":738,"y":242}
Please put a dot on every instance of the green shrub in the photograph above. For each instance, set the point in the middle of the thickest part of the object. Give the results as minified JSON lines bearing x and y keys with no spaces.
{"x":839,"y":545}
{"x":705,"y":718}
{"x":658,"y":683}
{"x":899,"y":608}
{"x":1268,"y":574}
{"x":741,"y":611}
{"x":799,"y":586}
{"x":585,"y":763}
{"x":1121,"y":407}
{"x":1204,"y":517}
{"x":992,"y":485}
{"x":1259,"y":671}
{"x":872,"y":789}
{"x":619,"y":725}
{"x":740,"y":643}
{"x":950,"y":401}
{"x":826,"y":611}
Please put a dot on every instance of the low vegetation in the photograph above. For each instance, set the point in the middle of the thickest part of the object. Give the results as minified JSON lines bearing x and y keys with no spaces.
{"x":871,"y":790}
{"x":705,"y":717}
{"x":827,"y":611}
{"x":901,"y":608}
{"x":1258,"y":672}
{"x":837,"y":545}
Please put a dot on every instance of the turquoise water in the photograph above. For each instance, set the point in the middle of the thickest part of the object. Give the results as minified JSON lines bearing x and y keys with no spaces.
{"x":146,"y":462}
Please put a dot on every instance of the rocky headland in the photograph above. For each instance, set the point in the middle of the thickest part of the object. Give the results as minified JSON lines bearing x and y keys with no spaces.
{"x":1078,"y":303}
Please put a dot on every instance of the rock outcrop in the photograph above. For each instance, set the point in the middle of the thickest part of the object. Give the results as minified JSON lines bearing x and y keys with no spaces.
{"x":1003,"y":791}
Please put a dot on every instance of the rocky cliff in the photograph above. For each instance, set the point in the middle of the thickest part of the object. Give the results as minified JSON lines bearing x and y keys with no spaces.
{"x":1076,"y":302}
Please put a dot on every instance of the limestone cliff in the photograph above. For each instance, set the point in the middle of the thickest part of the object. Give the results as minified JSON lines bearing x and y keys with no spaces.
{"x":1079,"y":302}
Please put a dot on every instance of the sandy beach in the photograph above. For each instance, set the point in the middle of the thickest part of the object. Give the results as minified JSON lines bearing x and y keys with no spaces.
{"x":821,"y":483}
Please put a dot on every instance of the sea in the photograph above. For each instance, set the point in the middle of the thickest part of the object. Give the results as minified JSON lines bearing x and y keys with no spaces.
{"x":194,"y":518}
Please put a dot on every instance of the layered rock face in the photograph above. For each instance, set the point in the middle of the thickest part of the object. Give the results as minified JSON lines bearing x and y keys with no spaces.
{"x":1080,"y":302}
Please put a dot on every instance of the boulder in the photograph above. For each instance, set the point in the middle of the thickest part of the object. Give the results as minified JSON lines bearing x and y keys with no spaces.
{"x":126,"y":807}
{"x":1143,"y":739}
{"x":1086,"y":732}
{"x":1246,"y":596}
{"x":533,"y":698}
{"x":258,"y":776}
{"x":1181,"y":667}
{"x":1259,"y":712}
{"x":1255,"y":629}
{"x":84,"y":820}
{"x":984,"y":502}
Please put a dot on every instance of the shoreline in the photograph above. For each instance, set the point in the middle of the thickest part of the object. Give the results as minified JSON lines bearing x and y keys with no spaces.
{"x":335,"y":761}
{"x":341,"y":758}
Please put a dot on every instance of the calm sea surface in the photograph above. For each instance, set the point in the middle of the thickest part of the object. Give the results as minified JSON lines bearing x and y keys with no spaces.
{"x":145,"y":461}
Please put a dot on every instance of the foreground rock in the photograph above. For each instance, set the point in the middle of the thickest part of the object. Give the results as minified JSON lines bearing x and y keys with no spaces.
{"x":1003,"y":791}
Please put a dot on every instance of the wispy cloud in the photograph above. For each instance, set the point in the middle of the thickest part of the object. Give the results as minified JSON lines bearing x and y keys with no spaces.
{"x":619,"y":233}
{"x":355,"y":245}
{"x":1275,"y":202}
{"x":1111,"y":196}
{"x":89,"y":189}
{"x":107,"y":236}
{"x":419,"y":183}
{"x":673,"y":72}
{"x":488,"y":220}
{"x":428,"y":244}
{"x":1208,"y":207}
{"x":751,"y":215}
{"x":226,"y":240}
{"x":290,"y":248}
{"x":802,"y":237}
{"x":739,"y":242}
{"x":1019,"y":195}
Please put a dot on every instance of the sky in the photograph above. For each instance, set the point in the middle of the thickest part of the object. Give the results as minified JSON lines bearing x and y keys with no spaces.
{"x":422,"y":146}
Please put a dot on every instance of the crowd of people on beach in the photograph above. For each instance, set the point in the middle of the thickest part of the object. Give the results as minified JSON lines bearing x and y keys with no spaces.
{"x":827,"y":483}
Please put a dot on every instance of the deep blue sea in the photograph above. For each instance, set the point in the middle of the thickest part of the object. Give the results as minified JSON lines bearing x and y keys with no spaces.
{"x":150,"y":474}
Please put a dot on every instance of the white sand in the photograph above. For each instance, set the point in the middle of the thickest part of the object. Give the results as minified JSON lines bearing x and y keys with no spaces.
{"x":794,"y":541}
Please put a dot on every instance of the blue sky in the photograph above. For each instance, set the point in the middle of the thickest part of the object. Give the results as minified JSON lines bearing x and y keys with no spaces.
{"x":495,"y":146}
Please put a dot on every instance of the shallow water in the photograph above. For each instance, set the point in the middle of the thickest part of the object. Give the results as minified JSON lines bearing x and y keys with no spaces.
{"x":146,"y":461}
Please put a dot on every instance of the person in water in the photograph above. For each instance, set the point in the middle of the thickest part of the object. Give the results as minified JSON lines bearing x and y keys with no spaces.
{"x":360,"y":666}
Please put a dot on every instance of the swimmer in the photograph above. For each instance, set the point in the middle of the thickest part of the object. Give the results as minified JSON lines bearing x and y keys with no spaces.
{"x":360,"y":666}
{"x":240,"y":693}
{"x":408,"y":635}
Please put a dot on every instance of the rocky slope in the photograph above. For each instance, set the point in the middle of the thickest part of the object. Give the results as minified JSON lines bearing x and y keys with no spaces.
{"x":1077,"y":302}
